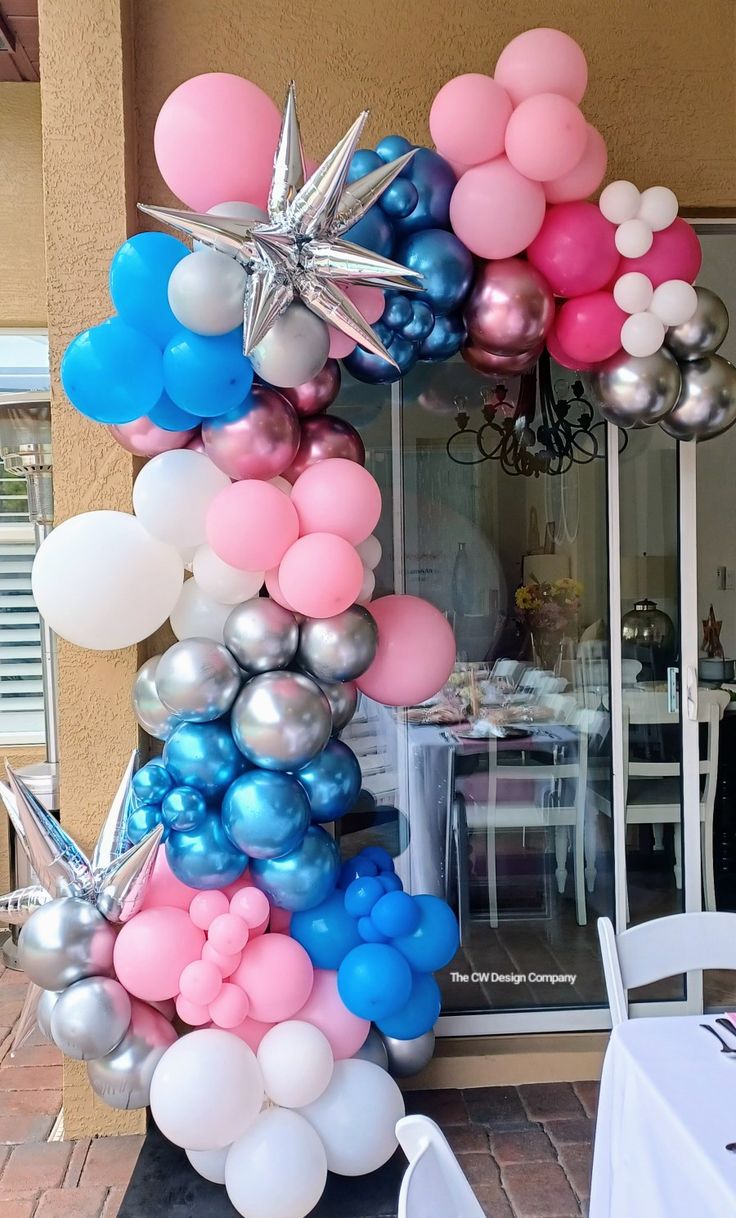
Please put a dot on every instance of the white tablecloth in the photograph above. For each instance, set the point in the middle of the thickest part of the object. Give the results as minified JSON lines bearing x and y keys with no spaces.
{"x":667,"y":1111}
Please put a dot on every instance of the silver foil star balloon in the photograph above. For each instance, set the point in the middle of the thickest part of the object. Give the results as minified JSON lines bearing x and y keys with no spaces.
{"x":299,"y":254}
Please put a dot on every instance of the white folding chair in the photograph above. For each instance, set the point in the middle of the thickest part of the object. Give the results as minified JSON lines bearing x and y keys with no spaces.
{"x":663,"y":947}
{"x":434,"y":1185}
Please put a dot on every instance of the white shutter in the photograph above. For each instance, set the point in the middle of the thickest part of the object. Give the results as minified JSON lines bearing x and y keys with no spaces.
{"x":21,"y":688}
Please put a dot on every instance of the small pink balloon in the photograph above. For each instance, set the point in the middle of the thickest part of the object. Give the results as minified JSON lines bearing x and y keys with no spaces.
{"x":562,"y":357}
{"x":316,"y":395}
{"x":575,"y":249}
{"x":230,"y":1007}
{"x":510,"y":307}
{"x":145,"y":439}
{"x":675,"y":253}
{"x":585,"y":177}
{"x":280,"y":920}
{"x":368,"y":300}
{"x":326,"y":1010}
{"x":251,"y":525}
{"x":196,"y":443}
{"x":340,"y":575}
{"x":167,"y":1007}
{"x":206,"y":906}
{"x":323,"y":437}
{"x":192,"y":1013}
{"x":340,"y":344}
{"x":200,"y":982}
{"x":257,"y":440}
{"x":225,"y":963}
{"x":491,"y":364}
{"x":337,"y":496}
{"x":152,"y":950}
{"x":415,"y":653}
{"x":228,"y":934}
{"x":546,"y":137}
{"x":495,"y":210}
{"x":273,"y":587}
{"x":589,"y":327}
{"x":164,"y":888}
{"x":542,"y":61}
{"x":252,"y":1031}
{"x":251,"y":905}
{"x":468,"y":118}
{"x":277,"y":975}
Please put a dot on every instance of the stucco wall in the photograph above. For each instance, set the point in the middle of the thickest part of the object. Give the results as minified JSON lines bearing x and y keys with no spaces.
{"x":22,"y":270}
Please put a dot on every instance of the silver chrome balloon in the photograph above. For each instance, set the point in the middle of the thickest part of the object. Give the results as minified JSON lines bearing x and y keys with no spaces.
{"x":373,"y":1050}
{"x":704,"y":332}
{"x":261,"y":635}
{"x":46,"y":1003}
{"x":636,"y":391}
{"x":64,"y":941}
{"x":90,"y":1018}
{"x":197,"y":680}
{"x":113,"y":836}
{"x":62,"y":868}
{"x":338,"y":648}
{"x":281,"y":720}
{"x":27,"y":1021}
{"x":16,"y":907}
{"x":706,"y":406}
{"x":123,"y":1077}
{"x":343,"y":699}
{"x":407,"y":1057}
{"x":121,"y":887}
{"x":149,"y":710}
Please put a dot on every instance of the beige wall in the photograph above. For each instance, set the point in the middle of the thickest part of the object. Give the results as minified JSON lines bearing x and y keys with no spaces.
{"x":22,"y":271}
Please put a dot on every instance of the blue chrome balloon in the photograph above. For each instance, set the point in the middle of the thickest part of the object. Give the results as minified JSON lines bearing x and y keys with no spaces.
{"x":332,"y":781}
{"x":364,"y":161}
{"x":419,"y":1014}
{"x":152,"y":782}
{"x":374,"y":981}
{"x":395,"y":913}
{"x":420,"y":324}
{"x":112,"y":373}
{"x":435,"y":181}
{"x":304,"y":877}
{"x":372,"y":369}
{"x":445,"y":264}
{"x":184,"y":808}
{"x":445,"y":339}
{"x":362,"y":894}
{"x":327,"y":932}
{"x":170,"y":417}
{"x":373,"y":231}
{"x":139,"y":283}
{"x":265,"y":813}
{"x":398,"y":311}
{"x":436,"y":938}
{"x":400,"y":198}
{"x":204,"y":756}
{"x":206,"y":375}
{"x":205,"y":857}
{"x":141,"y":821}
{"x":393,"y":146}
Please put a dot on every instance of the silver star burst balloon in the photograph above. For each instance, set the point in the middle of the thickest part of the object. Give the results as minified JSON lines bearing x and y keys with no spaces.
{"x":299,"y":253}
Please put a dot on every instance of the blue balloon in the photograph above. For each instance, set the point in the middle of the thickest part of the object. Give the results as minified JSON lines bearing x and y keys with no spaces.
{"x":445,"y":264}
{"x":152,"y":782}
{"x":141,"y":821}
{"x":205,"y":857}
{"x":364,"y":161}
{"x":204,"y":756}
{"x":369,"y":933}
{"x":170,"y":417}
{"x":265,"y":813}
{"x":390,"y":882}
{"x":327,"y":932}
{"x":435,"y":940}
{"x":362,"y":894}
{"x":112,"y":373}
{"x":355,"y":867}
{"x":445,"y":339}
{"x":374,"y":232}
{"x":396,"y":913}
{"x":184,"y":808}
{"x":435,"y":181}
{"x":303,"y":878}
{"x":374,"y":981}
{"x":139,"y":283}
{"x":420,"y":324}
{"x":420,"y":1013}
{"x":332,"y":781}
{"x":393,"y":146}
{"x":398,"y":311}
{"x":380,"y":856}
{"x":207,"y":375}
{"x":400,"y":198}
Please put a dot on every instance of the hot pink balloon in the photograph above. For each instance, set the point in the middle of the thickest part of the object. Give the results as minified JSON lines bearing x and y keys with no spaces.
{"x":164,"y":888}
{"x":337,"y":496}
{"x":367,"y":299}
{"x":230,"y":1007}
{"x":510,"y":307}
{"x":153,"y":949}
{"x":575,"y":249}
{"x":258,"y":440}
{"x":589,"y":327}
{"x":675,"y":254}
{"x":495,"y":210}
{"x":144,"y":439}
{"x":274,"y":589}
{"x":251,"y":525}
{"x":277,"y":975}
{"x":215,"y":140}
{"x":500,"y":365}
{"x":586,"y":176}
{"x":321,"y":575}
{"x":326,"y":1010}
{"x":324,"y":437}
{"x":340,"y":344}
{"x":252,"y":1031}
{"x":415,"y":654}
{"x":468,"y":119}
{"x":546,"y":136}
{"x":542,"y":61}
{"x":316,"y":395}
{"x":562,"y":357}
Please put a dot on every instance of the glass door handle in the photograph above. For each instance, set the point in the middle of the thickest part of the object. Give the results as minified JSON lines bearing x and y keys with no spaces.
{"x":691,"y":693}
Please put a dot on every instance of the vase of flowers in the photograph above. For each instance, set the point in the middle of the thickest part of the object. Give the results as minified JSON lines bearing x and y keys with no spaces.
{"x":547,"y":609}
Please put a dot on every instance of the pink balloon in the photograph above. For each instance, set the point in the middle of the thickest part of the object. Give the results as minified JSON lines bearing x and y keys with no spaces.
{"x":197,"y":443}
{"x":542,"y":61}
{"x":251,"y":905}
{"x":228,"y":934}
{"x":491,"y":364}
{"x":164,"y":888}
{"x":258,"y":440}
{"x":192,"y":1013}
{"x":200,"y":982}
{"x":206,"y":906}
{"x":415,"y":654}
{"x":280,"y":920}
{"x":575,"y":249}
{"x":321,"y":575}
{"x":251,"y":525}
{"x":562,"y":357}
{"x":495,"y":210}
{"x":675,"y":254}
{"x":276,"y":974}
{"x":337,"y":496}
{"x":145,"y":439}
{"x":546,"y":136}
{"x":252,"y":1031}
{"x":226,"y":964}
{"x":215,"y":140}
{"x":326,"y":1010}
{"x":325,"y":436}
{"x":230,"y":1007}
{"x":273,"y":587}
{"x":316,"y":395}
{"x":589,"y":327}
{"x":585,"y":177}
{"x":340,"y":344}
{"x":367,"y":299}
{"x":153,"y":949}
{"x":468,"y":118}
{"x":510,"y":307}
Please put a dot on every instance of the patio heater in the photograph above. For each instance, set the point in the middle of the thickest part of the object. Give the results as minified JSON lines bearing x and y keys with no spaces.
{"x":25,"y":448}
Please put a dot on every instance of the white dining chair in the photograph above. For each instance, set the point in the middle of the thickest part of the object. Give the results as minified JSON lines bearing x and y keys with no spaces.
{"x":434,"y":1184}
{"x":663,"y":947}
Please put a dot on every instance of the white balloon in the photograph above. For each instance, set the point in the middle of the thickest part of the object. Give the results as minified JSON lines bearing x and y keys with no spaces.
{"x":223,"y":583}
{"x":633,"y":238}
{"x":674,"y":302}
{"x":209,"y":1163}
{"x":619,"y":201}
{"x":370,"y":552}
{"x":197,"y":616}
{"x":296,"y":1062}
{"x":642,"y":334}
{"x":294,"y":350}
{"x":633,"y":292}
{"x":367,"y":588}
{"x":356,"y":1117}
{"x":101,"y":581}
{"x":658,"y":207}
{"x":278,"y":1169}
{"x":206,"y":1090}
{"x":172,"y":493}
{"x":206,"y":292}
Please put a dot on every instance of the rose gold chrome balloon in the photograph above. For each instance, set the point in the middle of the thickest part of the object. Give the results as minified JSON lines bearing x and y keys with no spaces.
{"x":500,"y":365}
{"x":316,"y":395}
{"x":258,"y":440}
{"x":510,"y":308}
{"x":325,"y":436}
{"x":145,"y":439}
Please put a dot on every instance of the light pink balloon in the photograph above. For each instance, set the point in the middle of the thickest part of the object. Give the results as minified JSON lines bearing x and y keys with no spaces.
{"x":164,"y":888}
{"x":200,"y":982}
{"x":251,"y":525}
{"x":542,"y":61}
{"x":321,"y":575}
{"x":215,"y":140}
{"x":325,"y":436}
{"x":589,"y":327}
{"x":192,"y":1013}
{"x":675,"y":253}
{"x":277,"y":975}
{"x":228,"y":934}
{"x":252,"y":1031}
{"x":251,"y":905}
{"x":415,"y":654}
{"x":562,"y":357}
{"x":207,"y":906}
{"x":367,"y":299}
{"x":258,"y":440}
{"x":145,"y":439}
{"x":230,"y":1007}
{"x":274,"y":590}
{"x":225,"y":963}
{"x":337,"y":496}
{"x":197,"y":443}
{"x":495,"y":210}
{"x":575,"y":249}
{"x":468,"y":118}
{"x":326,"y":1010}
{"x":546,"y":137}
{"x":316,"y":395}
{"x":153,"y":949}
{"x":280,"y":920}
{"x":340,"y":344}
{"x":585,"y":177}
